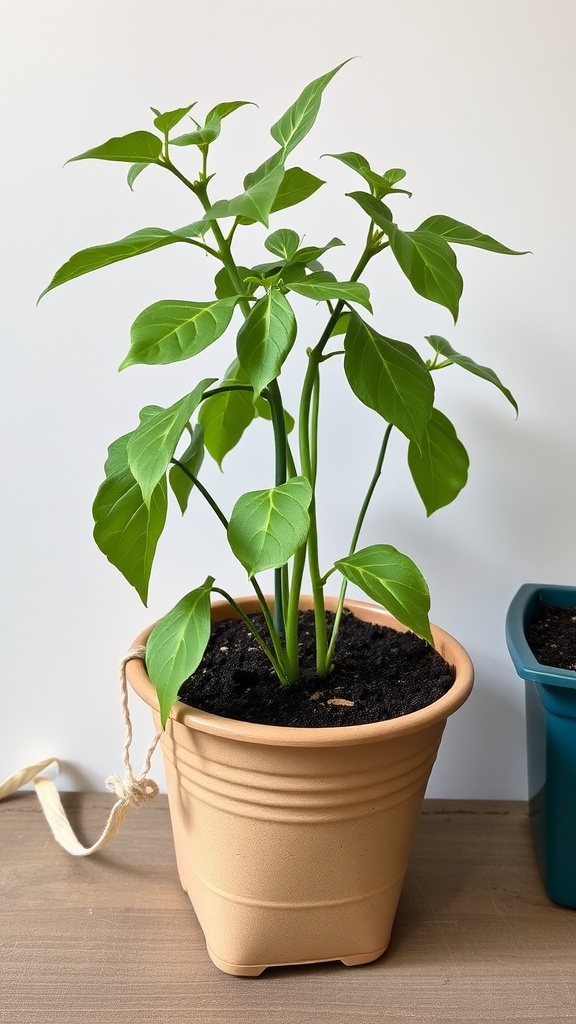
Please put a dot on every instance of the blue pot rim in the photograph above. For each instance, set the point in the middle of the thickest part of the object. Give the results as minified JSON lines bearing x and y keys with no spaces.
{"x":522,"y":610}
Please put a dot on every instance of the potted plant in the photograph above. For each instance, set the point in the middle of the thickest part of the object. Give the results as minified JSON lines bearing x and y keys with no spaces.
{"x":292,"y":839}
{"x":541,"y":637}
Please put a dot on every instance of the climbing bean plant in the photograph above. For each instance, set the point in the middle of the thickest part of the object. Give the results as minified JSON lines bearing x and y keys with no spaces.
{"x":275,"y":528}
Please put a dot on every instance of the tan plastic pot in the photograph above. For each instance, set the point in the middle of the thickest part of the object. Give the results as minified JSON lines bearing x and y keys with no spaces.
{"x":293,"y":843}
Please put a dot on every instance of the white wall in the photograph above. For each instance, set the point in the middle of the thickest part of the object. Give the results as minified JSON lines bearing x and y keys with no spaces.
{"x":476,"y":101}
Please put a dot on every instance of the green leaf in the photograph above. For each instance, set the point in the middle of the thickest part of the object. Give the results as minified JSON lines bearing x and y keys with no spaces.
{"x":197,"y":229}
{"x":225,"y":416}
{"x":135,"y":148}
{"x":462,"y":234}
{"x":127,"y":530}
{"x":224,"y":287}
{"x":153,"y":443}
{"x":133,"y":173}
{"x":192,"y":460}
{"x":265,"y":339}
{"x":394,"y":175}
{"x":200,"y":137}
{"x":267,"y":527}
{"x":426,"y":258}
{"x":176,"y":645}
{"x":444,"y":348}
{"x":167,"y":121}
{"x":255,"y":203}
{"x":430,"y":265}
{"x":341,"y":325}
{"x":171,"y":330}
{"x":317,"y":287}
{"x":388,"y":376}
{"x":283,"y":242}
{"x":297,"y":185}
{"x":295,"y":124}
{"x":356,"y":161}
{"x":377,"y":211}
{"x":87,"y":260}
{"x":439,"y":465}
{"x":391,"y":579}
{"x":266,"y":168}
{"x":222,"y":110}
{"x":311,"y":253}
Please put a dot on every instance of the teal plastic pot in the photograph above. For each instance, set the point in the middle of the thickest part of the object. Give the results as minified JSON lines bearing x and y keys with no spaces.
{"x":551,"y":743}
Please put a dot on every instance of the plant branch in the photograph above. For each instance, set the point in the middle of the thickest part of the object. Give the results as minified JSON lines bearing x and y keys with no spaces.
{"x":359,"y":524}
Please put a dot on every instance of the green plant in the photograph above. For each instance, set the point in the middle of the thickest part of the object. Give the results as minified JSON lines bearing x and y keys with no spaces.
{"x":275,"y":528}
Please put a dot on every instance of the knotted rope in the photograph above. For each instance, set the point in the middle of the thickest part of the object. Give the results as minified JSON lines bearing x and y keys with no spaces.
{"x":132,"y":790}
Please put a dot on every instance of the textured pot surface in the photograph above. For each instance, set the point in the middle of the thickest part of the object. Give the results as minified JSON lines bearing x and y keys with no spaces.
{"x":293,"y":843}
{"x":551,"y":743}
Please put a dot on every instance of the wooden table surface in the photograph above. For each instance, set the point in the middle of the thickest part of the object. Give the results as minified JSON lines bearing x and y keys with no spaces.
{"x":112,"y":939}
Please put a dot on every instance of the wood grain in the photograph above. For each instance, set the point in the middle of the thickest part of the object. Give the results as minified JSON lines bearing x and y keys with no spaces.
{"x":112,"y":939}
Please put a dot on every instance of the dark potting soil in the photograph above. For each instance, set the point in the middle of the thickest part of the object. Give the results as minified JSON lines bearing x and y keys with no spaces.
{"x":551,"y":637}
{"x":378,"y":674}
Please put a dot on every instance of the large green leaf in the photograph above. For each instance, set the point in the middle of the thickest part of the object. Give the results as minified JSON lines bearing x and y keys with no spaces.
{"x":167,"y":121}
{"x":264,"y":169}
{"x":315,"y":287}
{"x":176,"y":645}
{"x":388,"y":376}
{"x":393,"y":580}
{"x":430,"y":265}
{"x":97,"y":256}
{"x":265,"y":339}
{"x":153,"y":443}
{"x":267,"y":527}
{"x":444,"y":348}
{"x":135,"y":148}
{"x":255,"y":203}
{"x":439,"y":465}
{"x":295,"y":124}
{"x":462,"y":234}
{"x":225,"y":416}
{"x":127,"y":530}
{"x":297,"y":185}
{"x":172,"y":330}
{"x":191,"y":460}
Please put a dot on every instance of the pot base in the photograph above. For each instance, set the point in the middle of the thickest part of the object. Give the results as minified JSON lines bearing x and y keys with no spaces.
{"x":254,"y":970}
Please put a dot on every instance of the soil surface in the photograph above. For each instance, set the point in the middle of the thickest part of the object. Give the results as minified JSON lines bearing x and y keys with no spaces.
{"x":378,"y":674}
{"x":551,"y":637}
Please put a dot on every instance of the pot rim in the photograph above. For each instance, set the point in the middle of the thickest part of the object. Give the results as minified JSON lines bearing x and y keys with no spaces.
{"x":527,"y":601}
{"x":294,"y":736}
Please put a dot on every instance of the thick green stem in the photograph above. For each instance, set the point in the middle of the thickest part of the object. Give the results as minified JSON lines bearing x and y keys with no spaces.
{"x":359,"y":524}
{"x":311,"y":547}
{"x":279,"y":427}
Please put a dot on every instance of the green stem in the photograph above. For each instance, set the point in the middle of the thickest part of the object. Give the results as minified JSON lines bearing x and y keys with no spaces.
{"x":279,"y":426}
{"x":311,"y":546}
{"x":359,"y":524}
{"x":205,"y":494}
{"x":250,"y":625}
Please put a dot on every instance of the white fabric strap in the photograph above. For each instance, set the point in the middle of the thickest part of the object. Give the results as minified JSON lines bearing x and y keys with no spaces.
{"x":131,"y":790}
